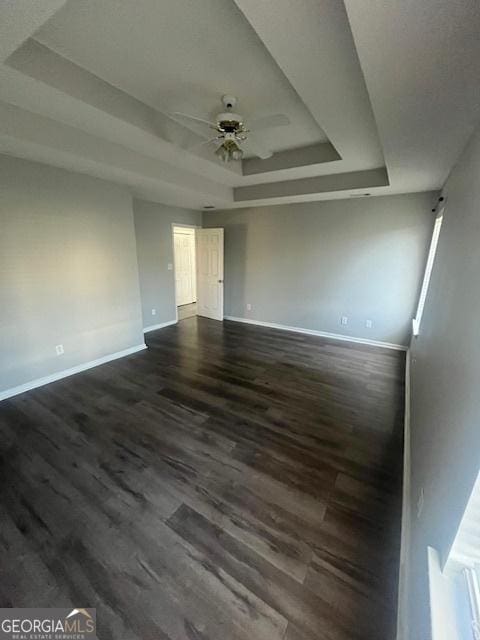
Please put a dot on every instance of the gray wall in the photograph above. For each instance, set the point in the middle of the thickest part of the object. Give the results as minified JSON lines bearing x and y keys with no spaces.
{"x":153,"y":228}
{"x":68,"y":271}
{"x":306,"y":265}
{"x":446,"y":381}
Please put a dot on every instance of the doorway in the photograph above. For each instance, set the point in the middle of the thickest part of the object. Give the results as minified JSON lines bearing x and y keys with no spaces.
{"x":198,"y":268}
{"x":184,"y":253}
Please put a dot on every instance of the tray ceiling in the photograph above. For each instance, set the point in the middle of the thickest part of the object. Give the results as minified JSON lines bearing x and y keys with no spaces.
{"x":89,"y":85}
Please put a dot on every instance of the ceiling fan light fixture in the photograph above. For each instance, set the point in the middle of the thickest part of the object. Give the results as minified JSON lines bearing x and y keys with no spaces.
{"x":229,"y":150}
{"x":222,"y":153}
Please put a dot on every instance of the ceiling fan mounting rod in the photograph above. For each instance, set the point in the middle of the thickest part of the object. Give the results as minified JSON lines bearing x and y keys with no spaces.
{"x":229,"y":102}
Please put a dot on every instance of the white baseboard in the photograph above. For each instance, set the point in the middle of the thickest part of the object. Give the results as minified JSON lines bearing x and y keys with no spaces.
{"x":404,"y":572}
{"x":322,"y":334}
{"x":154,"y":327}
{"x":40,"y":382}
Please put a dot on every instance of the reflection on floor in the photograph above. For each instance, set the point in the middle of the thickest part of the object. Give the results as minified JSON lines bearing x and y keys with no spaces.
{"x":187,"y":311}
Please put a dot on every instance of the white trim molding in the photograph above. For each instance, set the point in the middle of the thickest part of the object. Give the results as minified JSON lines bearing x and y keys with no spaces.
{"x":450,"y":615}
{"x":40,"y":382}
{"x":322,"y":334}
{"x":404,"y":569}
{"x":154,"y":327}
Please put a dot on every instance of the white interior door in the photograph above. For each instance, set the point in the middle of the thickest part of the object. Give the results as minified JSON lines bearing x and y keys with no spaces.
{"x":210,"y":273}
{"x":185,"y":276}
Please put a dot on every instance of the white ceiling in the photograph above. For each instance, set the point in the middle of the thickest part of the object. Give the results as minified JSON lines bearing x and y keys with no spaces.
{"x":381,"y":95}
{"x":181,"y":55}
{"x":425,"y":85}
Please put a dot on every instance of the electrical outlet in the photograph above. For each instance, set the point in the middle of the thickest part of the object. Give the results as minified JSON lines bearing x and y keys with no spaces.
{"x":344,"y":320}
{"x":249,"y":307}
{"x":154,"y":312}
{"x":170,"y":266}
{"x":420,"y":502}
{"x":59,"y":349}
{"x":369,"y":324}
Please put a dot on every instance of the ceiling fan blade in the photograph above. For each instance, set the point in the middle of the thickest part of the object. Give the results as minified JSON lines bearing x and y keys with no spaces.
{"x":204,"y":142}
{"x":178,"y":114}
{"x":257,"y":148}
{"x":267,"y":122}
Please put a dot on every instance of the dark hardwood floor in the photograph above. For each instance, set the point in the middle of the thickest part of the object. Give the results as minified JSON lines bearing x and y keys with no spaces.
{"x":231,"y":482}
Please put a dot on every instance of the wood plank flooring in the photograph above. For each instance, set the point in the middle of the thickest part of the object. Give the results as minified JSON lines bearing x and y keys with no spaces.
{"x":230,"y":483}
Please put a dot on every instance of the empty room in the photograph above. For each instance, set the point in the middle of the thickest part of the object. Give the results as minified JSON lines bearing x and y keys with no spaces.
{"x":239,"y":319}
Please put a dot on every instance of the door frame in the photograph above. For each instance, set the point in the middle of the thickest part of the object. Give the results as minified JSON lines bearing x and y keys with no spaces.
{"x":187,"y":226}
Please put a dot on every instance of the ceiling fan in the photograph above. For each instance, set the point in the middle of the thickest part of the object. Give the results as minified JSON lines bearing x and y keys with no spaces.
{"x":233,"y":137}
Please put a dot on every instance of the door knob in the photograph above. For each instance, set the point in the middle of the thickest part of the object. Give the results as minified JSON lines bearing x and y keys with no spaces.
{"x":220,"y":281}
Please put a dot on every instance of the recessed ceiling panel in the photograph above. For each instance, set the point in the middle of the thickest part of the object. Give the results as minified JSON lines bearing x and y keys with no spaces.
{"x":182,"y":56}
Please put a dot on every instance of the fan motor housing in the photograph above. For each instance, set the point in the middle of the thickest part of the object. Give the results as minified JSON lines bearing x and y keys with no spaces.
{"x":229,"y":122}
